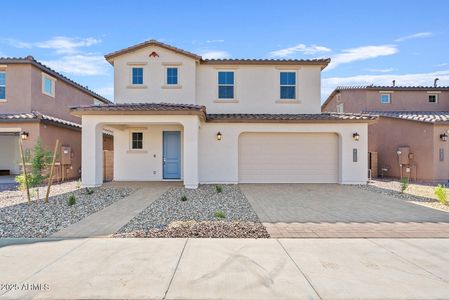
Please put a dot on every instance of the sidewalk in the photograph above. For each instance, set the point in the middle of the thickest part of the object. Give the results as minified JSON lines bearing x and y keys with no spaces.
{"x":226,"y":268}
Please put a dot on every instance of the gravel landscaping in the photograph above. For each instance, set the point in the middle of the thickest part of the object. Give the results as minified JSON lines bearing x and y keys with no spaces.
{"x":18,"y":219}
{"x":203,"y":212}
{"x":417,"y":193}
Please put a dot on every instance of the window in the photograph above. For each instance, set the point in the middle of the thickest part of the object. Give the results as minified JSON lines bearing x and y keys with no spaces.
{"x":2,"y":85}
{"x":137,"y":140}
{"x":137,"y":75}
{"x":172,"y":75}
{"x":385,"y":98}
{"x":226,"y":85}
{"x":288,"y":85}
{"x":340,"y":108}
{"x":433,"y":98}
{"x":48,"y":85}
{"x":338,"y":98}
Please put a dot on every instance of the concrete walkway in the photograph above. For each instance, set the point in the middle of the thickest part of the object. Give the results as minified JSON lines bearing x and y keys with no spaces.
{"x":225,"y":269}
{"x":109,"y":220}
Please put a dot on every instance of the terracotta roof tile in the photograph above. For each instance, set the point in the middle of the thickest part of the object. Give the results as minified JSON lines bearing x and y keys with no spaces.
{"x":141,"y":107}
{"x":291,"y":117}
{"x":418,"y":116}
{"x":37,"y":116}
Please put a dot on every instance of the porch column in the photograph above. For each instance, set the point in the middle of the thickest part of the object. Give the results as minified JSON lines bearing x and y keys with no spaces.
{"x":191,"y":133}
{"x":92,"y":153}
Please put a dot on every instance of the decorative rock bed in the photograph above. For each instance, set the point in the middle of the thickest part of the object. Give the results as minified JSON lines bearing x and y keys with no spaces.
{"x":18,"y":219}
{"x":170,"y":216}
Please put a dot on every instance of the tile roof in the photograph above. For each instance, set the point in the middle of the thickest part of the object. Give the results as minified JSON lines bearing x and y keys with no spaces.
{"x":322,"y":117}
{"x":141,"y":107}
{"x":36,"y":116}
{"x":31,"y":60}
{"x":434,"y":117}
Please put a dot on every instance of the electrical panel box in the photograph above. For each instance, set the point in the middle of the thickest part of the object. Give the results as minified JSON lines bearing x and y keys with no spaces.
{"x":403,"y":154}
{"x":66,"y":155}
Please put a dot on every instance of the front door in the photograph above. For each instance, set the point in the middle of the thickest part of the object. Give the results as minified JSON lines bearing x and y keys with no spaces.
{"x":172,"y":154}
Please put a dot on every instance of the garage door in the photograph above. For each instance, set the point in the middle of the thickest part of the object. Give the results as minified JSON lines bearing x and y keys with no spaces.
{"x":288,"y":157}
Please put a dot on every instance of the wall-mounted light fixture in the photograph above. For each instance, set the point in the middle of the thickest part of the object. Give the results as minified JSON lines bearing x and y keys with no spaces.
{"x":219,"y":136}
{"x":24,"y":135}
{"x":356,"y":136}
{"x":443,"y":137}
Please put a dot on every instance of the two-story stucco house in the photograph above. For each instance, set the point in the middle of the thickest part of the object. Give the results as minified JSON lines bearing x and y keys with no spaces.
{"x":410,"y":137}
{"x":34,"y":103}
{"x":178,"y":116}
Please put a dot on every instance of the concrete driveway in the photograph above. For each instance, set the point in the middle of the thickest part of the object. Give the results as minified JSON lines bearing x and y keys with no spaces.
{"x":331,"y":210}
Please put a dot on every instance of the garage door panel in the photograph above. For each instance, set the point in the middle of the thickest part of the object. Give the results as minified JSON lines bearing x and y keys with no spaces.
{"x":288,"y":157}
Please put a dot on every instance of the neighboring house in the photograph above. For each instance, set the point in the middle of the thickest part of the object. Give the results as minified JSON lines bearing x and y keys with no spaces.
{"x":262,"y":124}
{"x":34,"y":103}
{"x":410,"y":137}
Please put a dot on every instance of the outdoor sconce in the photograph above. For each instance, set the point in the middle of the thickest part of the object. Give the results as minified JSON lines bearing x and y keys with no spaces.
{"x":219,"y":136}
{"x":356,"y":136}
{"x":443,"y":137}
{"x":24,"y":135}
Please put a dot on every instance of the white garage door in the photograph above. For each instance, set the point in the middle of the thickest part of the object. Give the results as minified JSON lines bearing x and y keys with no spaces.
{"x":288,"y":157}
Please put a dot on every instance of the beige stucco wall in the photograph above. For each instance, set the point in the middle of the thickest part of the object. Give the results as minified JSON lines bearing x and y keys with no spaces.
{"x":18,"y":89}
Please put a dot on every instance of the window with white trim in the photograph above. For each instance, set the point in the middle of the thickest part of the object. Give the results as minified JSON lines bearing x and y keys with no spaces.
{"x":48,"y":85}
{"x":340,"y":108}
{"x":225,"y":85}
{"x":288,"y":85}
{"x":385,"y":98}
{"x":172,"y":75}
{"x":136,"y":140}
{"x":2,"y":85}
{"x":433,"y":98}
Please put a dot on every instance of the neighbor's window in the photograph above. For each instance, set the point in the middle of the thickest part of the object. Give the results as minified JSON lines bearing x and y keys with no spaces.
{"x":433,"y":98}
{"x":137,"y":75}
{"x":137,"y":140}
{"x":2,"y":85}
{"x":340,"y":108}
{"x":288,"y":85}
{"x":385,"y":98}
{"x":226,"y":85}
{"x":48,"y":85}
{"x":172,"y":75}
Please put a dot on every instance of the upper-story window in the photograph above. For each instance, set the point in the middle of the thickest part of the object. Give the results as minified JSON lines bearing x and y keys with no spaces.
{"x":137,"y":75}
{"x":385,"y":98}
{"x":136,"y":140}
{"x":288,"y":85}
{"x":433,"y":98}
{"x":172,"y":76}
{"x":226,"y":85}
{"x":48,"y":85}
{"x":2,"y":85}
{"x":340,"y":108}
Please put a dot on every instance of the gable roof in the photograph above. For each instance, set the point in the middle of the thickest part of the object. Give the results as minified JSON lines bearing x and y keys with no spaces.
{"x":322,"y":62}
{"x":373,"y":87}
{"x":433,"y":117}
{"x":37,"y":116}
{"x":31,"y":60}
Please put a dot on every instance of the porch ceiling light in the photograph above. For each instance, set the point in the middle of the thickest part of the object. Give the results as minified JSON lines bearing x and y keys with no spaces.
{"x":219,"y":136}
{"x":443,"y":137}
{"x":356,"y":136}
{"x":24,"y":135}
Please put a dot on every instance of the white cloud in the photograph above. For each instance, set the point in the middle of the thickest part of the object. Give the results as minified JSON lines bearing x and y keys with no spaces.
{"x":215,"y":54}
{"x":214,"y":41}
{"x":414,"y":36}
{"x":424,"y":79}
{"x":442,"y":65}
{"x":79,"y":64}
{"x":300,"y":48}
{"x":361,"y":53}
{"x":61,"y":44}
{"x":386,"y":70}
{"x":106,"y":91}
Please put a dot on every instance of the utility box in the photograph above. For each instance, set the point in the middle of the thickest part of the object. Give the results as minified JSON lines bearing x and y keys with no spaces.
{"x":403,"y":155}
{"x":66,"y":155}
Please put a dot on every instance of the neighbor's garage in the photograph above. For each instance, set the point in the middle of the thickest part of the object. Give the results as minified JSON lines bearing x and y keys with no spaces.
{"x":288,"y":158}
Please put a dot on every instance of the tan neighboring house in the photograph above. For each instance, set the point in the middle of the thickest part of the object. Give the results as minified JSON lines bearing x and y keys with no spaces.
{"x":34,"y":102}
{"x":411,"y":136}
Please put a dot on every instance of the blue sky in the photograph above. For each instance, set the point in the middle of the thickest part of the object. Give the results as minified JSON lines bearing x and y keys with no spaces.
{"x":368,"y":41}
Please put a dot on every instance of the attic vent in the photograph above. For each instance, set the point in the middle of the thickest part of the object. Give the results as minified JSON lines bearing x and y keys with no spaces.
{"x":154,"y":54}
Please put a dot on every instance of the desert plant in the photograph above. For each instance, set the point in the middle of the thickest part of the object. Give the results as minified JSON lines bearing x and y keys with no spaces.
{"x":183,"y":198}
{"x":89,"y":191}
{"x":72,"y":200}
{"x":218,"y":188}
{"x":404,"y":184}
{"x":441,"y":193}
{"x":219,"y":214}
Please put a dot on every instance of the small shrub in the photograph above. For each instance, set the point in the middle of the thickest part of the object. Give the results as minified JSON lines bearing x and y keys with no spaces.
{"x":89,"y":191}
{"x":72,"y":200}
{"x":78,"y":184}
{"x":404,"y":184}
{"x":219,"y":214}
{"x":183,"y":198}
{"x":218,"y":188}
{"x":441,"y":193}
